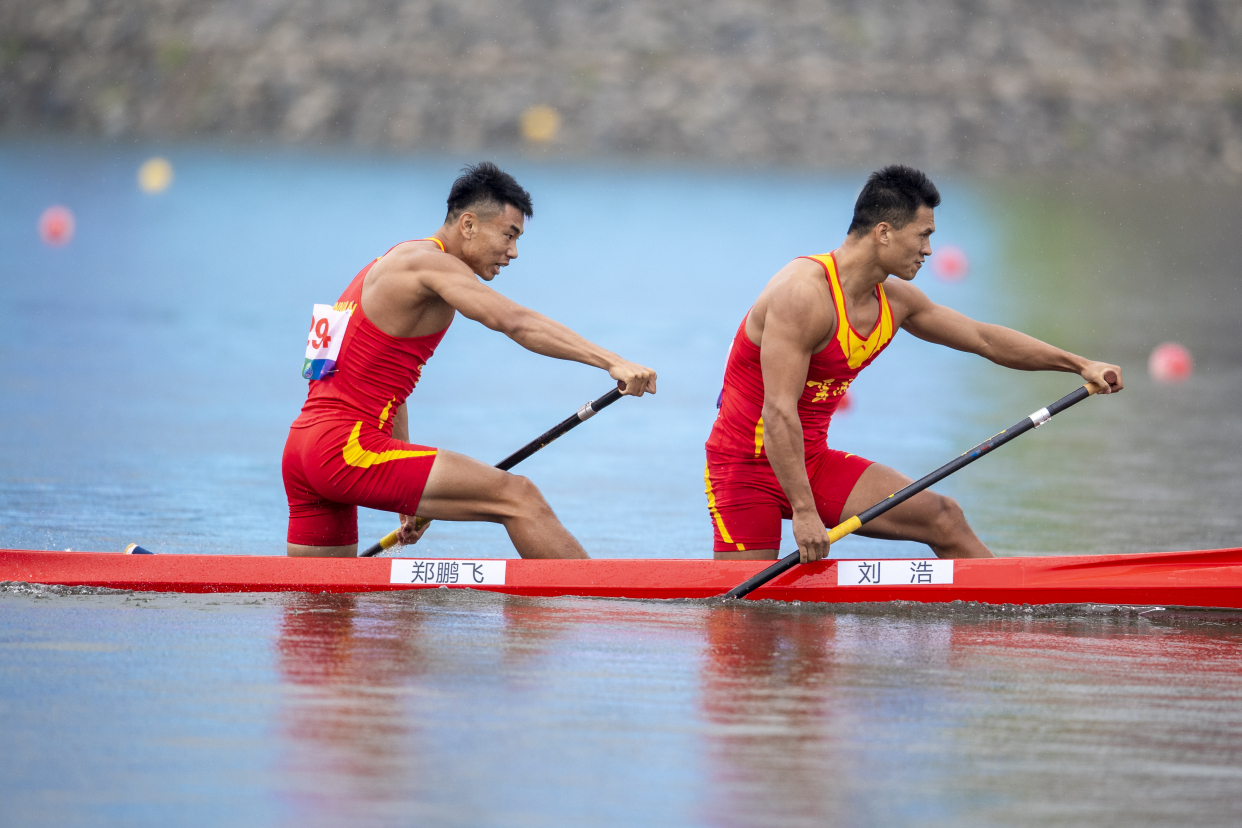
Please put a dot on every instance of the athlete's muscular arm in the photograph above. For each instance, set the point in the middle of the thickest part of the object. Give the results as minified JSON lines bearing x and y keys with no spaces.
{"x":1004,"y":346}
{"x":795,"y":321}
{"x":532,"y":330}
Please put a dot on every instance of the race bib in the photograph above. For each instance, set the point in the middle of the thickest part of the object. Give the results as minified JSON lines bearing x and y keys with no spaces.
{"x":323,"y":345}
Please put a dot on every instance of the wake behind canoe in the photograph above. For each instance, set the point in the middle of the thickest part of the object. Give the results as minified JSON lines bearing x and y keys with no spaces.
{"x":1210,"y":578}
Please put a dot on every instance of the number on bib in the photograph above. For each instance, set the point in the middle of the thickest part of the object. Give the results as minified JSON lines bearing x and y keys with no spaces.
{"x":323,"y":345}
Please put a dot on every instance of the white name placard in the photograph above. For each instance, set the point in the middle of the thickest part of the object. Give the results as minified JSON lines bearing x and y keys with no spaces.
{"x":447,"y":573}
{"x":323,"y":343}
{"x":894,"y":572}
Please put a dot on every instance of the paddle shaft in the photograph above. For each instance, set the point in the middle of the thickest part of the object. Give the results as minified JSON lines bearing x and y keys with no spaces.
{"x":583,"y":414}
{"x":1028,"y":424}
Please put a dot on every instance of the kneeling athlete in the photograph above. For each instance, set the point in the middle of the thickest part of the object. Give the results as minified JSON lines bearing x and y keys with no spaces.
{"x":350,"y":445}
{"x":819,"y":322}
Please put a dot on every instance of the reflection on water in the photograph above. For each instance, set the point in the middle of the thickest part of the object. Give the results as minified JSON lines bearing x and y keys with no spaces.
{"x":460,"y":709}
{"x":342,"y":744}
{"x":1088,"y":710}
{"x":769,"y":714}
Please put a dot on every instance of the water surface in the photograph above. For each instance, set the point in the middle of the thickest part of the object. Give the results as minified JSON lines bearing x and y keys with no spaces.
{"x":460,"y":708}
{"x":151,"y":369}
{"x":152,"y":365}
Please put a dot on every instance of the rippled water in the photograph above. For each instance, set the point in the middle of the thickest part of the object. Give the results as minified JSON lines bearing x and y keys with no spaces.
{"x":151,"y":370}
{"x":439,"y":708}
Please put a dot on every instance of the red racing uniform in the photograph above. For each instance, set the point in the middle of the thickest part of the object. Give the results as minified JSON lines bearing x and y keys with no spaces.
{"x":744,"y":498}
{"x":341,"y":453}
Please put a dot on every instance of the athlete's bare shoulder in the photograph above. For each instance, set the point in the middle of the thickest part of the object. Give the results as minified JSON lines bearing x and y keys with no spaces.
{"x":797,"y":297}
{"x":400,"y":292}
{"x":904,"y":298}
{"x":416,"y":257}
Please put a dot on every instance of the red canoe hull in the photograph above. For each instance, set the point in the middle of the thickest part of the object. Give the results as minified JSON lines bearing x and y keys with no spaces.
{"x":1210,"y":578}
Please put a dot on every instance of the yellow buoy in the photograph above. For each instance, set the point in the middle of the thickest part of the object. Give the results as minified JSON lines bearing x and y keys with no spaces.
{"x":155,"y":175}
{"x":540,"y":124}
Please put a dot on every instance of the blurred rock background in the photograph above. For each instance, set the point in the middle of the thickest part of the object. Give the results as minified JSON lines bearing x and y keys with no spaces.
{"x":972,"y":85}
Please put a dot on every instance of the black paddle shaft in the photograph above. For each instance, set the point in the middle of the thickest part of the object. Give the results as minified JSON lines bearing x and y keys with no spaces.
{"x":1027,"y":424}
{"x":568,"y":424}
{"x":583,"y":414}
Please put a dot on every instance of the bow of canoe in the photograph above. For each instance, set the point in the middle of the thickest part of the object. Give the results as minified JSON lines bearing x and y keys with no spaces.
{"x":1211,"y":578}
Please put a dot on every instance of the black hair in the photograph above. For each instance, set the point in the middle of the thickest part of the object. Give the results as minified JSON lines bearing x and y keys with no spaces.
{"x":893,"y":194}
{"x":486,"y":184}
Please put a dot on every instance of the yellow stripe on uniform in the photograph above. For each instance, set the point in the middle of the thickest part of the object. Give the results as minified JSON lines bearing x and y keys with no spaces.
{"x":384,"y":414}
{"x":711,"y":507}
{"x":358,"y":457}
{"x":856,"y":349}
{"x":759,"y":437}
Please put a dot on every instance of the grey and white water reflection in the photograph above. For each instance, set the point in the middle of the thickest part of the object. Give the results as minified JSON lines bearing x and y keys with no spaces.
{"x":151,"y":371}
{"x":459,"y":708}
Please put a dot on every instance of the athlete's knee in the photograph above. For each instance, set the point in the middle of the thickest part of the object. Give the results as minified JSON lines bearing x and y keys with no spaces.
{"x":949,"y":519}
{"x":525,"y":496}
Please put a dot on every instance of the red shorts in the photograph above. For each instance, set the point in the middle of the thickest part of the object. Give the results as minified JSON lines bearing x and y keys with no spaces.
{"x":332,"y":468}
{"x":747,"y":503}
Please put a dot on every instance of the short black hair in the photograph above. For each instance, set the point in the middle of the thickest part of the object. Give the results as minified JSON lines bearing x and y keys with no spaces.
{"x":893,"y":194}
{"x":485,"y":183}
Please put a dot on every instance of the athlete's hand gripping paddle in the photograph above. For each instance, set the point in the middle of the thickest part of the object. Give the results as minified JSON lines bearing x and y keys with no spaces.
{"x":836,"y":533}
{"x":583,"y":414}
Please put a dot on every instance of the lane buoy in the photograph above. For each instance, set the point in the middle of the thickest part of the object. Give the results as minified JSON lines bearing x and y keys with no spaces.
{"x":1170,"y":362}
{"x":135,"y":549}
{"x":155,"y":175}
{"x":56,"y":226}
{"x":950,"y":263}
{"x":540,"y":124}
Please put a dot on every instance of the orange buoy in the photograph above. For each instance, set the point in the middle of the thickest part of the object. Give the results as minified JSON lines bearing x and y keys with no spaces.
{"x":56,"y":225}
{"x":1170,"y":362}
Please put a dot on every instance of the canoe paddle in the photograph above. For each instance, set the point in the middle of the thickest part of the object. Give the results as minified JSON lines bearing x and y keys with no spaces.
{"x":1034,"y":421}
{"x":584,"y":413}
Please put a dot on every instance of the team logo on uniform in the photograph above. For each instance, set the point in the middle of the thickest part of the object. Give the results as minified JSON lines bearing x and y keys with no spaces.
{"x":828,"y":388}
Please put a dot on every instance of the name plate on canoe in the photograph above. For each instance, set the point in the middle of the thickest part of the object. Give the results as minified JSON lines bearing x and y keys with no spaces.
{"x":894,"y":572}
{"x":437,"y":572}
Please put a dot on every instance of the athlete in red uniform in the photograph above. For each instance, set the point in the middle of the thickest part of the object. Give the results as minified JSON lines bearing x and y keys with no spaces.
{"x":795,"y":354}
{"x":350,"y":445}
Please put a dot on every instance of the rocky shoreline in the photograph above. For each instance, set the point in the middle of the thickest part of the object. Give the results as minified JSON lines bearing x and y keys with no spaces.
{"x":971,"y":85}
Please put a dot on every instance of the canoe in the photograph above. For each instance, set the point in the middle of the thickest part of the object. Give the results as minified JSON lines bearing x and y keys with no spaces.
{"x":1211,"y":578}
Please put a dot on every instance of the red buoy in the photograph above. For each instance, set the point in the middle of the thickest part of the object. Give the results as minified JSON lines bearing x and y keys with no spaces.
{"x":56,"y":225}
{"x":950,"y":264}
{"x":1170,"y":362}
